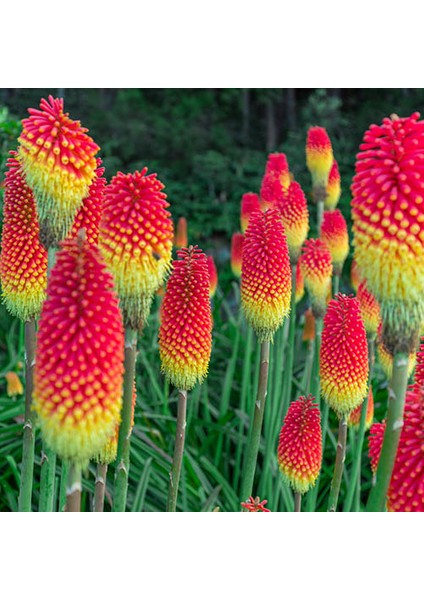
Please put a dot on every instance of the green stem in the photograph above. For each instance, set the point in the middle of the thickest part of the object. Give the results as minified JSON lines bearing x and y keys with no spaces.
{"x":336,"y":284}
{"x":63,"y":483}
{"x":394,"y":424}
{"x":73,"y":489}
{"x":27,"y":470}
{"x":297,"y":502}
{"x":100,"y":487}
{"x":123,"y":451}
{"x":174,"y":475}
{"x":338,"y":467}
{"x":255,"y":431}
{"x":315,"y":390}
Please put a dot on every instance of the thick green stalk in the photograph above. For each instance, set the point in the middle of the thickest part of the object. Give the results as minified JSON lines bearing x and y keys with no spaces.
{"x":338,"y":467}
{"x":356,"y":468}
{"x":73,"y":489}
{"x":255,"y":430}
{"x":297,"y":502}
{"x":123,"y":452}
{"x":174,"y":475}
{"x":63,"y":483}
{"x":100,"y":487}
{"x":394,"y":424}
{"x":27,"y":470}
{"x":336,"y":284}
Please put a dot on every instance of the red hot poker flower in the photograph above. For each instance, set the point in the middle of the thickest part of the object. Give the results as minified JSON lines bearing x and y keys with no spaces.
{"x":23,"y":262}
{"x":370,"y":309}
{"x":236,"y":253}
{"x":334,"y":234}
{"x":317,"y":268}
{"x":293,"y":207}
{"x":319,"y":156}
{"x":333,"y":188}
{"x":249,"y":203}
{"x":213,"y":276}
{"x":266,"y":274}
{"x":419,"y":370}
{"x":255,"y":505}
{"x":344,"y":355}
{"x":185,"y":334}
{"x":278,"y":165}
{"x":90,"y":211}
{"x":80,"y":352}
{"x":300,"y":444}
{"x":181,"y":239}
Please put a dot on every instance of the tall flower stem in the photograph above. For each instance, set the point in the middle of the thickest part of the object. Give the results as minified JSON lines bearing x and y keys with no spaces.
{"x":356,"y":469}
{"x":338,"y":468}
{"x":123,"y":452}
{"x":297,"y":502}
{"x":394,"y":423}
{"x":63,"y":485}
{"x":27,"y":471}
{"x":174,"y":475}
{"x":255,"y":431}
{"x":100,"y":487}
{"x":73,"y":489}
{"x":336,"y":284}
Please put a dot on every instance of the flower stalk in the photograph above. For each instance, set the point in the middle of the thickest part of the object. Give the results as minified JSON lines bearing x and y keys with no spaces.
{"x":339,"y":466}
{"x":73,"y":489}
{"x":174,"y":475}
{"x":100,"y":487}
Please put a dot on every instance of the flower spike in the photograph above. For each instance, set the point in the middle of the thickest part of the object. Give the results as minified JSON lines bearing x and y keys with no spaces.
{"x":319,"y":156}
{"x":181,"y":239}
{"x":334,"y":234}
{"x":294,"y":213}
{"x":213,"y":275}
{"x":236,"y":253}
{"x":316,"y":267}
{"x":90,"y":211}
{"x":333,"y":188}
{"x":370,"y":309}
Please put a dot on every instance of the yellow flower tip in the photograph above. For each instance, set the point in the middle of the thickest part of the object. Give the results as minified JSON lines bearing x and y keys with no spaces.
{"x":14,"y":386}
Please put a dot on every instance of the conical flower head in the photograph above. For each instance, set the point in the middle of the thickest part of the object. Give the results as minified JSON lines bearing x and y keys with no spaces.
{"x":90,"y":211}
{"x":344,"y":355}
{"x":419,"y":370}
{"x":23,"y":260}
{"x":334,"y":234}
{"x":293,"y":207}
{"x":370,"y":309}
{"x":276,"y":180}
{"x":388,"y":214}
{"x":354,"y":417}
{"x":319,"y":156}
{"x":181,"y":239}
{"x":58,"y":159}
{"x":80,"y":353}
{"x":406,"y":489}
{"x":213,"y":275}
{"x":136,"y":234}
{"x":249,"y":203}
{"x":185,"y":334}
{"x":300,"y":444}
{"x":236,"y":253}
{"x":316,"y":267}
{"x":266,"y":274}
{"x":277,"y":165}
{"x":334,"y":189}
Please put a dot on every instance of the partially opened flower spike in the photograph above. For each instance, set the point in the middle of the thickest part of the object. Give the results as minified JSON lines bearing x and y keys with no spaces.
{"x":294,"y":213}
{"x":90,"y":212}
{"x":23,"y":259}
{"x":80,"y":352}
{"x":333,"y":187}
{"x":136,"y":234}
{"x":185,"y":334}
{"x":213,"y":275}
{"x":300,"y":444}
{"x":266,"y":274}
{"x":334,"y":234}
{"x":319,"y":158}
{"x":236,"y":253}
{"x":370,"y":309}
{"x":344,"y":356}
{"x":316,"y":267}
{"x":58,"y":159}
{"x":354,"y":417}
{"x":181,"y":238}
{"x":249,"y":203}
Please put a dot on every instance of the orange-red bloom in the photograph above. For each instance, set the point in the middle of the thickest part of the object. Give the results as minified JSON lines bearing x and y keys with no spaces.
{"x":266,"y":274}
{"x":370,"y":309}
{"x":255,"y":505}
{"x":181,"y":238}
{"x":300,"y":284}
{"x":316,"y":267}
{"x":136,"y":234}
{"x":294,"y":213}
{"x":406,"y":489}
{"x":185,"y":334}
{"x":319,"y":156}
{"x":14,"y":385}
{"x":236,"y":253}
{"x":58,"y":159}
{"x":334,"y":234}
{"x":249,"y":203}
{"x":90,"y":211}
{"x":300,"y":444}
{"x":277,"y":165}
{"x":80,"y":353}
{"x":213,"y":276}
{"x":23,"y":261}
{"x":334,"y":189}
{"x":275,"y":182}
{"x":354,"y":418}
{"x":419,"y":370}
{"x":388,"y":216}
{"x":344,"y":355}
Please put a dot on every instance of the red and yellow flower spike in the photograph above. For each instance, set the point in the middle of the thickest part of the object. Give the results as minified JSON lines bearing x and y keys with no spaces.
{"x":334,"y":189}
{"x":370,"y":309}
{"x":213,"y":275}
{"x":58,"y":159}
{"x":300,"y":284}
{"x":319,"y":156}
{"x":316,"y":267}
{"x":277,"y":165}
{"x":406,"y":489}
{"x":237,"y":240}
{"x":419,"y":370}
{"x":275,"y":182}
{"x":354,"y":417}
{"x":334,"y":234}
{"x":266,"y":274}
{"x":181,"y":237}
{"x":388,"y":217}
{"x":344,"y":356}
{"x":90,"y":211}
{"x":23,"y":260}
{"x":300,"y":444}
{"x":293,"y":207}
{"x":185,"y":334}
{"x":80,"y":351}
{"x":136,"y":234}
{"x":249,"y":203}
